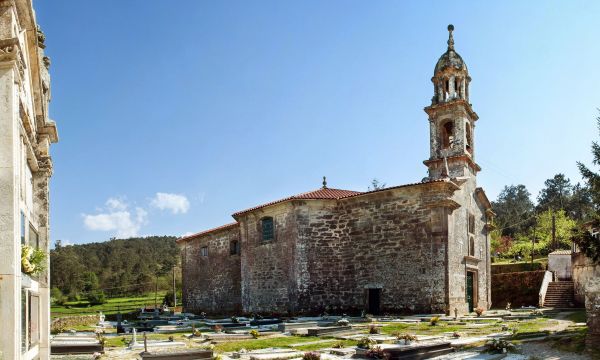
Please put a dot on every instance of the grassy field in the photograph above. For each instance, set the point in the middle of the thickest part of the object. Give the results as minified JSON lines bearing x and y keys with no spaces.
{"x":112,"y":306}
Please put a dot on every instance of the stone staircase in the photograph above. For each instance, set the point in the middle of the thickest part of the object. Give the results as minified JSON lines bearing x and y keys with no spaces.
{"x":560,"y":294}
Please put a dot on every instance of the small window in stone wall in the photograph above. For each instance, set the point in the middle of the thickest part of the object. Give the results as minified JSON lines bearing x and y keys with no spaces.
{"x":267,"y":229}
{"x":471,"y":223}
{"x":472,"y":246}
{"x":234,"y":247}
{"x":204,"y":251}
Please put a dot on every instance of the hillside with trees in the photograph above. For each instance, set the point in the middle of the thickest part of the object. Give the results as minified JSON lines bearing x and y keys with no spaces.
{"x":114,"y":268}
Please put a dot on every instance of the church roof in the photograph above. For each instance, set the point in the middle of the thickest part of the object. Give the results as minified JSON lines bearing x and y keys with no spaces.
{"x":450,"y":59}
{"x":320,"y":194}
{"x":222,"y":227}
{"x":323,"y":193}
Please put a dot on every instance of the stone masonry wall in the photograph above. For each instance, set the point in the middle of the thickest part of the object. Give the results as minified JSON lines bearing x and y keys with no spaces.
{"x":386,"y":240}
{"x":212,"y":283}
{"x":268,"y":266}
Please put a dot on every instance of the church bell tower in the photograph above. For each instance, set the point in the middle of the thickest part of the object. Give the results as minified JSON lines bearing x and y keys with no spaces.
{"x":451,"y":119}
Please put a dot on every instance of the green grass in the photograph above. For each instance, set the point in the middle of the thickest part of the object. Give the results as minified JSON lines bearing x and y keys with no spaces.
{"x":112,"y":306}
{"x":328,"y":344}
{"x":259,"y":343}
{"x":578,"y":316}
{"x":123,"y":340}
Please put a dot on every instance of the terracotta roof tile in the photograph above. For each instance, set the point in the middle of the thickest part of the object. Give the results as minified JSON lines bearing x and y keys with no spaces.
{"x":222,"y":227}
{"x":561,"y":252}
{"x":320,"y":194}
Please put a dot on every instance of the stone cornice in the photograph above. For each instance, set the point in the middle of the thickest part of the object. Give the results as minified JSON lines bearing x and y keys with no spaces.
{"x":433,"y":109}
{"x":454,"y":158}
{"x":10,"y":50}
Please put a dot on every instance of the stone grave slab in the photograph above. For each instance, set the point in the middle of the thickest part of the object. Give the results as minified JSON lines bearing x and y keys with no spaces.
{"x":318,"y":331}
{"x":285,"y":327}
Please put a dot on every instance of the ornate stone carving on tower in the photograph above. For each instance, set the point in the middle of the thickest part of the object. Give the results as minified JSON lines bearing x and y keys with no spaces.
{"x":451,"y":119}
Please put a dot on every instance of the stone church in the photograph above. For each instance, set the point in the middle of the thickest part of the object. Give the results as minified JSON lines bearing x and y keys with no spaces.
{"x":421,"y":247}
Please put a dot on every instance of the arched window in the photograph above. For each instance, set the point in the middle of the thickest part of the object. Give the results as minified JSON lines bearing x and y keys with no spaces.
{"x":472,"y":246}
{"x":234,"y":247}
{"x":267,"y":230}
{"x":447,"y":134}
{"x":469,"y":139}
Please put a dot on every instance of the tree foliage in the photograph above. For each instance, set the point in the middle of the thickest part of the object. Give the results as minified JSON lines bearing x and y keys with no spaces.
{"x":514,"y":210}
{"x":560,"y":194}
{"x":115,"y":267}
{"x":589,"y":244}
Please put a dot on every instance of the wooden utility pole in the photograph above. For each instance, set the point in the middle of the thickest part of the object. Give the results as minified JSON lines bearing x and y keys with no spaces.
{"x":554,"y":231}
{"x":533,"y":246}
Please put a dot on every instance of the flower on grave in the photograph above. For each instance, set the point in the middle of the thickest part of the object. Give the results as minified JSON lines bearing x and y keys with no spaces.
{"x":376,"y":352}
{"x":365,"y":342}
{"x":311,"y":355}
{"x":479,"y":311}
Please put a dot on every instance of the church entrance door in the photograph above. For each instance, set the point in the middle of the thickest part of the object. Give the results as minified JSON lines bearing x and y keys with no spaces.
{"x":374,"y":301}
{"x":470,"y":290}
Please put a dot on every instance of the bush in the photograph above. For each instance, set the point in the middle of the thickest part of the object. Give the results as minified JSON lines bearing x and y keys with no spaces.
{"x":338,"y":345}
{"x":373,"y":329}
{"x":255,"y":334}
{"x":434,"y":320}
{"x":96,"y":298}
{"x":311,"y":355}
{"x":170,"y":300}
{"x":479,"y":311}
{"x":57,"y":297}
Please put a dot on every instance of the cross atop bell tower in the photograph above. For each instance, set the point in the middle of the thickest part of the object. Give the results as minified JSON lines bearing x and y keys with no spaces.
{"x":451,"y":118}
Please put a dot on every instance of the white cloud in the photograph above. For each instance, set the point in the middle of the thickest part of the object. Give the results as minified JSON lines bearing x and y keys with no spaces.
{"x":118,"y":218}
{"x":174,"y":202}
{"x":188,"y":233}
{"x":116,"y":204}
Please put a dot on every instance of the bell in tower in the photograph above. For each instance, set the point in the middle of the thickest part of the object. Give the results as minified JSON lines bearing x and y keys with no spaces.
{"x":451,"y":118}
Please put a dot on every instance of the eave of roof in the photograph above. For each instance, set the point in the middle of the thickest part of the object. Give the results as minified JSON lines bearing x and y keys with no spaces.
{"x":206,"y":232}
{"x":319,"y":194}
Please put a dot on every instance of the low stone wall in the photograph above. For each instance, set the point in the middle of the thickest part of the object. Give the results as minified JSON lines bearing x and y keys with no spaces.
{"x":592,"y":307}
{"x":512,"y":268}
{"x":584,"y":270}
{"x":68,"y":322}
{"x":518,"y":288}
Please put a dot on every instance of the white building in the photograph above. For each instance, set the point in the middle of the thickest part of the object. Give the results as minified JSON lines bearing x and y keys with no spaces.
{"x":26,"y":133}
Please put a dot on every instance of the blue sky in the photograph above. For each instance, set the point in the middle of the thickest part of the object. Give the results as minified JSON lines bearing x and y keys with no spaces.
{"x":172,"y":115}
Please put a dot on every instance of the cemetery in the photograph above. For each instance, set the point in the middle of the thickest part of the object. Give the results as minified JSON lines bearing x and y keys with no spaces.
{"x":161,"y":334}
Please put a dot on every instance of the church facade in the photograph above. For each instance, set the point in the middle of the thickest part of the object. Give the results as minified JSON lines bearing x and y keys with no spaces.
{"x":421,"y":247}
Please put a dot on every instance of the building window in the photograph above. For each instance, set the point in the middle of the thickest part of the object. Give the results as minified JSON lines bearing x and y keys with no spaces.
{"x":204,"y":251}
{"x":23,"y":229}
{"x":447,"y":134}
{"x":472,"y":246}
{"x":234,"y":247}
{"x":267,"y":229}
{"x":471,"y":224}
{"x":469,"y":140}
{"x":23,"y":320}
{"x":34,"y":317}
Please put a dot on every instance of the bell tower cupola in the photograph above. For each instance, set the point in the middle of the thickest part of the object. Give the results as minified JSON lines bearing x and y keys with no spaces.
{"x":451,"y":118}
